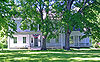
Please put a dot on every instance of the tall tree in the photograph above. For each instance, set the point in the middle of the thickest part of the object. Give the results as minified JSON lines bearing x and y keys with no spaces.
{"x":7,"y":25}
{"x":37,"y":12}
{"x":81,"y":14}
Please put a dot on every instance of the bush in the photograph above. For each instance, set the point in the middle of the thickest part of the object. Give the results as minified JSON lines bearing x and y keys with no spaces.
{"x":1,"y":45}
{"x":5,"y":46}
{"x":97,"y":45}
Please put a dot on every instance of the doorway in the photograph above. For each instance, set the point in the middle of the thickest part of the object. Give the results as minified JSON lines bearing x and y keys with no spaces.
{"x":35,"y":42}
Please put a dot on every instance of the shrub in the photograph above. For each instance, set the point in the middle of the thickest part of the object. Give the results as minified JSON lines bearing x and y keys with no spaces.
{"x":5,"y":45}
{"x":97,"y":45}
{"x":1,"y":46}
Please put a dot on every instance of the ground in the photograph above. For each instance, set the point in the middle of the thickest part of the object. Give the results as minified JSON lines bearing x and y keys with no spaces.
{"x":60,"y":55}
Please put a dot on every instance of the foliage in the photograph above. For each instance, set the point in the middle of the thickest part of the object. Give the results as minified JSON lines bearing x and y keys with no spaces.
{"x":7,"y":24}
{"x":36,"y":13}
{"x":79,"y":17}
{"x":7,"y":12}
{"x":1,"y":46}
{"x":5,"y":45}
{"x":96,"y":45}
{"x":92,"y":13}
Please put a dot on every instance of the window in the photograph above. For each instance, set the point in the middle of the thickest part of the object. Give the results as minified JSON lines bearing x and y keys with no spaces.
{"x":15,"y":39}
{"x":24,"y":39}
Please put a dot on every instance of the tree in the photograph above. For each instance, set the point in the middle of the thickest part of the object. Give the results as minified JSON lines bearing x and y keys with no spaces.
{"x":81,"y":14}
{"x":35,"y":13}
{"x":7,"y":25}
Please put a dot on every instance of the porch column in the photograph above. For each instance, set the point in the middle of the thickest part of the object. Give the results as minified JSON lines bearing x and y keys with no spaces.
{"x":8,"y":42}
{"x":62,"y":41}
{"x":39,"y":39}
{"x":73,"y":41}
{"x":78,"y":41}
{"x":33,"y":41}
{"x":29,"y":41}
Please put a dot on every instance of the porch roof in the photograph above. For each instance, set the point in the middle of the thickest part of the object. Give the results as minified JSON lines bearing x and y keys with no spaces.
{"x":76,"y":33}
{"x":27,"y":33}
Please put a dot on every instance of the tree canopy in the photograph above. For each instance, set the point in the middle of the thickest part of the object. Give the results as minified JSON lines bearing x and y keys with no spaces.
{"x":7,"y":25}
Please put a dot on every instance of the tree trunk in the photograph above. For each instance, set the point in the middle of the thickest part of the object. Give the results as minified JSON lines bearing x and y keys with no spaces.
{"x":67,"y":34}
{"x":67,"y":42}
{"x":44,"y":44}
{"x":44,"y":39}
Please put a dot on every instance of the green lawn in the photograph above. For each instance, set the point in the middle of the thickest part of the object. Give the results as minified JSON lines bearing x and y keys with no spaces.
{"x":50,"y":56}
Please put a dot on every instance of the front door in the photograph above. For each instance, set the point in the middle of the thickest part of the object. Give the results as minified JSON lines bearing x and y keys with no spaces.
{"x":35,"y":42}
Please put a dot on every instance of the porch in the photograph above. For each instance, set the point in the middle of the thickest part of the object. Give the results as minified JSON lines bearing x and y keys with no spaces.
{"x":76,"y":41}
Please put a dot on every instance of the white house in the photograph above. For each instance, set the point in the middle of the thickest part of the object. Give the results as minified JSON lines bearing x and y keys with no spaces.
{"x":32,"y":39}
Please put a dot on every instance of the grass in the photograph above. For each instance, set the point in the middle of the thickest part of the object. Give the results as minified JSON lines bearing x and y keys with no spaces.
{"x":59,"y":55}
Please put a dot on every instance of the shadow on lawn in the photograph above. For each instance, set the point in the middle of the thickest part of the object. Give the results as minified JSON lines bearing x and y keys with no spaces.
{"x":64,"y":56}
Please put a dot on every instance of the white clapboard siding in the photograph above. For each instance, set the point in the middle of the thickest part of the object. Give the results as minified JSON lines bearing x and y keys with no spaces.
{"x":19,"y":43}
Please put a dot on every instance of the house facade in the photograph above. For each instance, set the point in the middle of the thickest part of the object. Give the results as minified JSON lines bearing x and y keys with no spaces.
{"x":31,"y":39}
